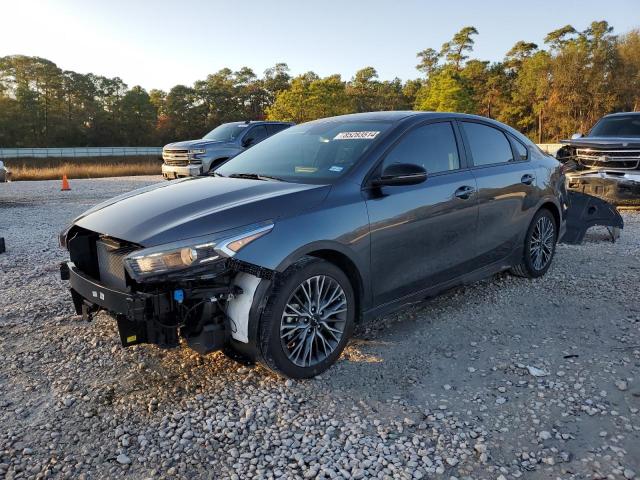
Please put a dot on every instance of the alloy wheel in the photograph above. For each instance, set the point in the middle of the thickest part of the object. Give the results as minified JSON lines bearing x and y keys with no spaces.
{"x":542,"y":243}
{"x":313,"y":320}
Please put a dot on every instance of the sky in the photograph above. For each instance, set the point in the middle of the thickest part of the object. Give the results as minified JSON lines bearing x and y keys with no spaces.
{"x":159,"y":43}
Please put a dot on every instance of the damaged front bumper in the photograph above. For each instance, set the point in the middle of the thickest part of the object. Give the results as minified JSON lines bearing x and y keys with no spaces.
{"x":620,"y":188}
{"x":159,"y":317}
{"x":175,"y":171}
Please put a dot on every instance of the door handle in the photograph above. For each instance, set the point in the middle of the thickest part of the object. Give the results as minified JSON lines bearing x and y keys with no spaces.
{"x":464,"y":192}
{"x":527,"y":179}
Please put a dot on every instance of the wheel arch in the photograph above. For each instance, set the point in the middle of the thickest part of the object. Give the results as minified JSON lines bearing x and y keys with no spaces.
{"x":555,"y":211}
{"x":344,"y":258}
{"x":333,"y":252}
{"x":216,"y":162}
{"x":344,"y":263}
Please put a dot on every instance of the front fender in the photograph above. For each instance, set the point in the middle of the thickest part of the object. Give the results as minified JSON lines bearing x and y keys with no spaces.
{"x":342,"y":228}
{"x":339,"y":225}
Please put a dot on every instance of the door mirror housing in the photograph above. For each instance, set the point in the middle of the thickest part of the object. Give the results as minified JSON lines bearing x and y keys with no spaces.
{"x":401,"y":174}
{"x":247,"y":142}
{"x":575,"y":136}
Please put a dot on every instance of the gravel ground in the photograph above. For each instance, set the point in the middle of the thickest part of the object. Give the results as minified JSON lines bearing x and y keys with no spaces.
{"x":439,"y":390}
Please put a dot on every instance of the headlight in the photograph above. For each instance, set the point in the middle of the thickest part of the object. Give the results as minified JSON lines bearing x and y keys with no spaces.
{"x":194,"y":154}
{"x":192,"y":253}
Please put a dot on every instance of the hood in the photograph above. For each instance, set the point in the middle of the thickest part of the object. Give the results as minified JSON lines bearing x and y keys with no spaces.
{"x":200,"y":143}
{"x":193,"y":207}
{"x":604,"y":142}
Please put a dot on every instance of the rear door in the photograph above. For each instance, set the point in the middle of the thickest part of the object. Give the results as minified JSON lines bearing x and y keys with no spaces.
{"x":422,"y":235}
{"x":507,"y":190}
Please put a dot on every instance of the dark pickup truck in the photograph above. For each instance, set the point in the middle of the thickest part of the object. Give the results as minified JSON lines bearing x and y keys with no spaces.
{"x":605,"y":162}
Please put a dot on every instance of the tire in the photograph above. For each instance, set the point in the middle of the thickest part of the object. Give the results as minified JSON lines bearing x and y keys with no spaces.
{"x":289,"y":355}
{"x":531,"y":266}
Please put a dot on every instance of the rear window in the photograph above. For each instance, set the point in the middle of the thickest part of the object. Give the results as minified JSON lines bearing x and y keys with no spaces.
{"x":488,"y":145}
{"x":521,"y":151}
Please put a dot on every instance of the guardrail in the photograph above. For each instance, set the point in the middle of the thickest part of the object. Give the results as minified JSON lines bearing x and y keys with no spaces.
{"x":80,"y":152}
{"x":83,"y":152}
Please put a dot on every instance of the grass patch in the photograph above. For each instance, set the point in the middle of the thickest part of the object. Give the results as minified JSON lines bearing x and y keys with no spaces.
{"x":88,"y":167}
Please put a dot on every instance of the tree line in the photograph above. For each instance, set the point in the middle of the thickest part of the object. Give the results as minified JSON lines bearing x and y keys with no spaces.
{"x":547,"y":92}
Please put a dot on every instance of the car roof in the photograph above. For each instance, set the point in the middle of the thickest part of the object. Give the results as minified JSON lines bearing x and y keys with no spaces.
{"x":620,"y":114}
{"x":412,"y":116}
{"x":397,"y":115}
{"x":258,"y":122}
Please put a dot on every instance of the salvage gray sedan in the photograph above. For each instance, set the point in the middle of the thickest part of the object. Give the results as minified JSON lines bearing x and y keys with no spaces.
{"x":279,"y":253}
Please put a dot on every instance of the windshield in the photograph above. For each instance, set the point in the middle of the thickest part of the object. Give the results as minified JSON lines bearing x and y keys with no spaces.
{"x":314,"y":152}
{"x":226,"y":132}
{"x":618,"y":126}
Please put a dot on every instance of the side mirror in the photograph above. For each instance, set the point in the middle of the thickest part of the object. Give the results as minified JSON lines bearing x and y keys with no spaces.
{"x":247,"y":142}
{"x":575,"y":136}
{"x":401,"y":174}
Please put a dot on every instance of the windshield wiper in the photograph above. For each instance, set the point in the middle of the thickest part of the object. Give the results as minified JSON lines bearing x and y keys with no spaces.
{"x":255,"y":176}
{"x":216,"y":174}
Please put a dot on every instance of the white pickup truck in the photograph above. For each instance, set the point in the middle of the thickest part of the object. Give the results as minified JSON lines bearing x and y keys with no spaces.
{"x":196,"y":157}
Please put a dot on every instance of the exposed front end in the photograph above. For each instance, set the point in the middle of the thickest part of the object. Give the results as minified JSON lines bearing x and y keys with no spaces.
{"x":158,"y":295}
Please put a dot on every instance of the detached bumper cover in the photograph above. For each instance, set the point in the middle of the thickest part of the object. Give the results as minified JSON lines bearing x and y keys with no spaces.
{"x":586,"y":211}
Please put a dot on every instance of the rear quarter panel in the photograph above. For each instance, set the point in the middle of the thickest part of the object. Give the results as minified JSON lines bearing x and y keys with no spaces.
{"x":551,"y":182}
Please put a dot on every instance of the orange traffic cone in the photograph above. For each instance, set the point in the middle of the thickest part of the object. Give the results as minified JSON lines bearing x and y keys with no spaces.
{"x":65,"y":183}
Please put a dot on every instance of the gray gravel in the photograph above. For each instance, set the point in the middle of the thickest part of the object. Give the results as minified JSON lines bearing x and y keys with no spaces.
{"x":507,"y":378}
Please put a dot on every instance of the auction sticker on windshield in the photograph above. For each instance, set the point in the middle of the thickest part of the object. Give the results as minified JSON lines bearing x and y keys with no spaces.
{"x":356,"y":135}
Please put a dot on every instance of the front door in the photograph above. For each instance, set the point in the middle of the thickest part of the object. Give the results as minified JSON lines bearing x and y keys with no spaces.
{"x":422,"y":235}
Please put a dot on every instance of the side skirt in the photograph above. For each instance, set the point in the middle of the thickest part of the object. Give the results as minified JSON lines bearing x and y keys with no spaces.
{"x":422,"y":295}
